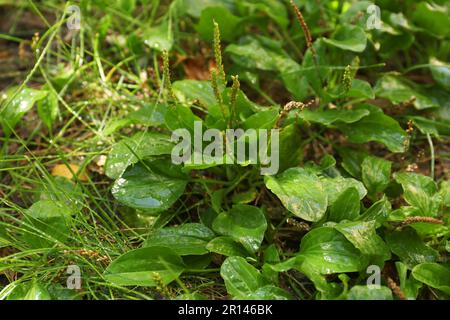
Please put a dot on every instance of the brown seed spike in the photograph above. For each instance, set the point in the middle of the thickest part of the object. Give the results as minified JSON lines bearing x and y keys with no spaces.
{"x":288,"y":108}
{"x":395,"y":289}
{"x":421,"y":219}
{"x":301,"y":19}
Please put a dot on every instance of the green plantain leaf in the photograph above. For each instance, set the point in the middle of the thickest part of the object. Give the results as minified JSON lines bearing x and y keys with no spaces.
{"x":11,"y":111}
{"x":179,"y":117}
{"x":352,"y":160}
{"x":433,"y":275}
{"x":445,"y":192}
{"x":145,"y":267}
{"x":254,"y":55}
{"x":269,"y":292}
{"x":29,"y":291}
{"x":275,"y":10}
{"x":245,"y":224}
{"x":334,"y":187}
{"x":241,"y":278}
{"x":186,"y":239}
{"x":301,"y":192}
{"x":369,"y":293}
{"x":379,"y":212}
{"x":346,"y":206}
{"x":328,"y":117}
{"x":196,"y":7}
{"x":376,"y":174}
{"x":227,"y":246}
{"x":229,"y":24}
{"x":159,"y":38}
{"x":408,"y":246}
{"x":327,"y":251}
{"x":188,"y":91}
{"x":409,"y":286}
{"x":364,"y":237}
{"x":130,"y":150}
{"x":434,"y":19}
{"x":421,"y":192}
{"x":262,"y":120}
{"x":348,"y":37}
{"x":290,"y":151}
{"x":441,"y":72}
{"x":361,"y":89}
{"x":398,"y":91}
{"x":376,"y":127}
{"x":146,"y":188}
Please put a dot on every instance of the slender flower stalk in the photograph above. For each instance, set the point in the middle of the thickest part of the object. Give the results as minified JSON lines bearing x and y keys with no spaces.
{"x":233,"y":97}
{"x":347,"y":79}
{"x":308,"y":37}
{"x":166,"y":75}
{"x":215,"y":86}
{"x":218,"y":53}
{"x":304,"y":25}
{"x":288,"y":108}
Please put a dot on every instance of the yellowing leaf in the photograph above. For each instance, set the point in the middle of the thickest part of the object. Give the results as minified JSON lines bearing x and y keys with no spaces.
{"x":66,"y":171}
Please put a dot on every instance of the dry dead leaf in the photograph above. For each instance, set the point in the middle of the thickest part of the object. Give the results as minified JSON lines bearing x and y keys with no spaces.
{"x":198,"y":68}
{"x":62,"y":170}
